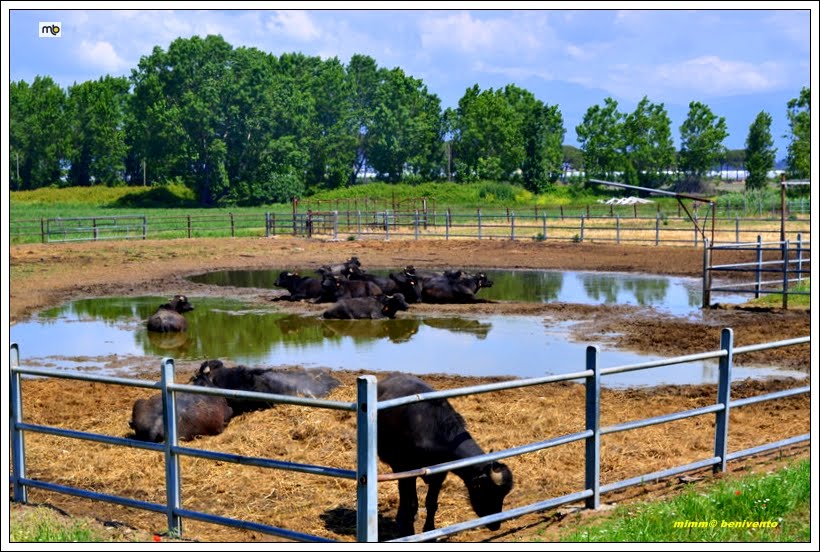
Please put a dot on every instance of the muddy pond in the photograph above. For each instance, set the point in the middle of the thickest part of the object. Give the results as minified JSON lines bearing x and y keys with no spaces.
{"x":87,"y":334}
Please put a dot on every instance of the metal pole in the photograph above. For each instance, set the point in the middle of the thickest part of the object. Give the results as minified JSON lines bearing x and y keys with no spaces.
{"x":657,"y":228}
{"x":233,"y":232}
{"x":172,"y":469}
{"x":786,"y":274}
{"x":189,"y":227}
{"x":582,"y":227}
{"x":416,"y":224}
{"x":723,"y":397}
{"x":783,"y":208}
{"x":447,"y":224}
{"x":335,"y":225}
{"x":759,"y":269}
{"x":479,"y":224}
{"x":618,"y":229}
{"x":267,"y":224}
{"x":18,"y":444}
{"x":592,"y":475}
{"x":512,"y":225}
{"x":367,"y":497}
{"x":707,"y":274}
{"x":799,"y":257}
{"x":737,"y":229}
{"x":544,"y":224}
{"x":359,"y":224}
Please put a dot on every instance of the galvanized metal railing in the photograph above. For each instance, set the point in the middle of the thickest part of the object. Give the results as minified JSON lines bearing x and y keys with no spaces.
{"x":367,"y":407}
{"x":793,"y":266}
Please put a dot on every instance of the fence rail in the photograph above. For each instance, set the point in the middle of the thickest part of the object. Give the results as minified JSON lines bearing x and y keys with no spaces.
{"x":792,"y":267}
{"x":366,"y":407}
{"x":579,"y":225}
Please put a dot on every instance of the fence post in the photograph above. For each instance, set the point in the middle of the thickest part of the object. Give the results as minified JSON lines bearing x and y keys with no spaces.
{"x":18,"y":445}
{"x":544,"y":224}
{"x":723,"y":397}
{"x":618,"y":229}
{"x":592,"y":476}
{"x":785,"y":274}
{"x":189,"y":227}
{"x":695,"y":229}
{"x":707,"y":274}
{"x":267,"y":224}
{"x":479,"y":224}
{"x":512,"y":225}
{"x":759,"y":268}
{"x":447,"y":224}
{"x":169,"y":421}
{"x":657,"y":228}
{"x":359,"y":224}
{"x":386,"y":225}
{"x":42,"y":230}
{"x":416,"y":224}
{"x":233,"y":232}
{"x":737,"y":229}
{"x":94,"y":226}
{"x":799,"y":256}
{"x":367,"y":475}
{"x":582,"y":228}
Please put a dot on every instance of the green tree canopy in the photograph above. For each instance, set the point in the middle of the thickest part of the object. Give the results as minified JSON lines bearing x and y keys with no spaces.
{"x":648,"y":146}
{"x":760,"y":151}
{"x":702,"y":136}
{"x":601,"y":134}
{"x":799,"y":154}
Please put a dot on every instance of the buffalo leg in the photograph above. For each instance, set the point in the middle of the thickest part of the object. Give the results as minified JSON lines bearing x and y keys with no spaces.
{"x":408,"y":506}
{"x":434,"y":483}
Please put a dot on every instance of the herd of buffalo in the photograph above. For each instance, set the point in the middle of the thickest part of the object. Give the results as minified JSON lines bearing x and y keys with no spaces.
{"x":409,"y":437}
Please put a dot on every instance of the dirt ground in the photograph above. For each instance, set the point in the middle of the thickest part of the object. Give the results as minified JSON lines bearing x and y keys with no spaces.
{"x":49,"y":275}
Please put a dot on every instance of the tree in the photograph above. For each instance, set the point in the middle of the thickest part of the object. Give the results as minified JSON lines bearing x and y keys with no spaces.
{"x":702,"y":136}
{"x":760,"y":153}
{"x":648,"y":148}
{"x":407,"y":128}
{"x":799,"y":153}
{"x":363,"y":82}
{"x":601,"y":134}
{"x":97,"y":111}
{"x":38,"y":133}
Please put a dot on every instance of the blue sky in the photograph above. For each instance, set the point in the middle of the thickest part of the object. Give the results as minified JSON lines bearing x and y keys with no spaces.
{"x":739,"y":62}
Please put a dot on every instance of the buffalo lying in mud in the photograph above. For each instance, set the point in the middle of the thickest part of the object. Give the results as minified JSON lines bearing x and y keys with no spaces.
{"x":426,"y":433}
{"x":374,"y":308}
{"x":168,"y":317}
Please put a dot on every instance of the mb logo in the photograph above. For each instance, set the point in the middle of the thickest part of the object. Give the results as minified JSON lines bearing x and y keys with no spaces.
{"x":51,"y":29}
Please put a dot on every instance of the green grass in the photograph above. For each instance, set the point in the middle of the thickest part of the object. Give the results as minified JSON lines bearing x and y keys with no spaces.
{"x":46,"y":526}
{"x":781,"y":498}
{"x":795,"y":301}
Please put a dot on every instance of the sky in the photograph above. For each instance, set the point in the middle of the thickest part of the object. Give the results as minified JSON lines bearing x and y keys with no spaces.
{"x":738,"y":62}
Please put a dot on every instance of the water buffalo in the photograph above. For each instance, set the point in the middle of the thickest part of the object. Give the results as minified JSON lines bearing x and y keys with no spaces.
{"x":384,"y":306}
{"x":344,"y":269}
{"x":428,"y":433}
{"x":196,"y":415}
{"x":454,"y":287}
{"x":300,"y":287}
{"x":404,"y":282}
{"x":168,"y":317}
{"x":335,"y":288}
{"x":309,"y":383}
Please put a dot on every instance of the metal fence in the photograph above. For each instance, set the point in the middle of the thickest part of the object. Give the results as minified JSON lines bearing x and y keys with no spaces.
{"x":788,"y":262}
{"x":367,"y":407}
{"x":579,"y":225}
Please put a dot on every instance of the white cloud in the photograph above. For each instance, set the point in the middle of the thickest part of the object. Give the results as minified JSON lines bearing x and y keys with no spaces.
{"x":101,"y":54}
{"x":721,"y":77}
{"x":466,"y":34}
{"x":295,"y":24}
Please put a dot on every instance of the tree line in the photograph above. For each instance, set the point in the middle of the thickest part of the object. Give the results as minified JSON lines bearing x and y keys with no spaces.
{"x":238,"y":125}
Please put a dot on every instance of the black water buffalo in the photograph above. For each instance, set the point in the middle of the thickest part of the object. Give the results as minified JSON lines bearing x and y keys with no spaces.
{"x":344,"y":269}
{"x":309,"y":383}
{"x":384,"y":306}
{"x":300,"y":287}
{"x":196,"y":415}
{"x":404,"y":282}
{"x":454,"y":287}
{"x":168,"y":317}
{"x":428,"y":433}
{"x":335,"y":288}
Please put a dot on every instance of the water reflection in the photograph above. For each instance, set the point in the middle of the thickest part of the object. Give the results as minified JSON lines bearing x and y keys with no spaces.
{"x":520,"y":346}
{"x":678,"y":296}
